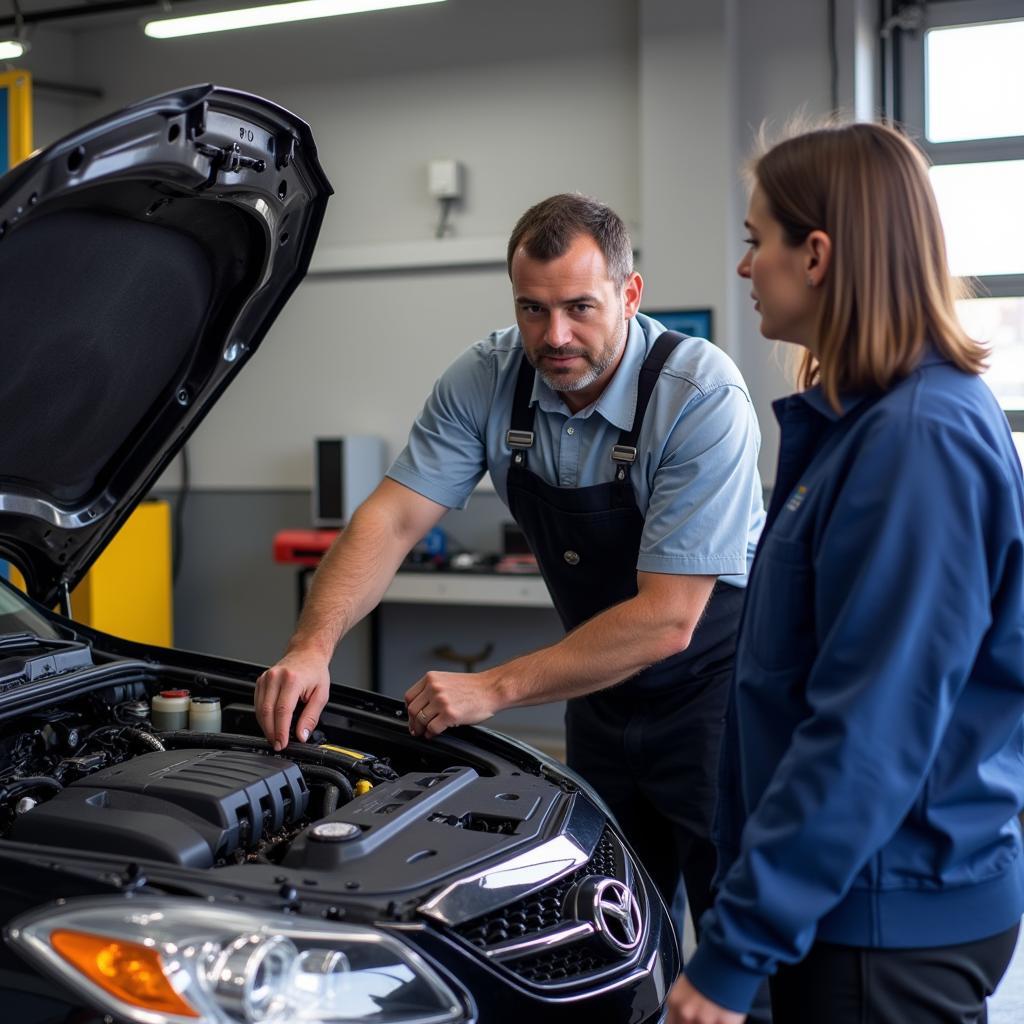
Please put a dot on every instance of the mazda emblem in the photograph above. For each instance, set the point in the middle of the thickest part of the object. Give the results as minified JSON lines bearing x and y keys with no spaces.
{"x":612,"y":909}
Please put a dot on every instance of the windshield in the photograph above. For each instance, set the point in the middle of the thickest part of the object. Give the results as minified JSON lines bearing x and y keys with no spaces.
{"x":18,"y":616}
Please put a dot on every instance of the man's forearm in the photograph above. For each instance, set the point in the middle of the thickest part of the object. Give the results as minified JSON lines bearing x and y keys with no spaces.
{"x":607,"y":649}
{"x":351,"y":579}
{"x":348,"y":583}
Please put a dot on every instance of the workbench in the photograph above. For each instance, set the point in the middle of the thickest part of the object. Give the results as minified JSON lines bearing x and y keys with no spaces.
{"x":468,"y":587}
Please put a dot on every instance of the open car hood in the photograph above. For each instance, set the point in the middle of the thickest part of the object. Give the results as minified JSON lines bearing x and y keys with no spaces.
{"x":142,"y":260}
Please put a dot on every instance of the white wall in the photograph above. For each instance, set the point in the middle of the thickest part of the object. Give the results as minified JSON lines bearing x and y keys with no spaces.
{"x":648,"y":104}
{"x":686,"y":182}
{"x":779,"y":53}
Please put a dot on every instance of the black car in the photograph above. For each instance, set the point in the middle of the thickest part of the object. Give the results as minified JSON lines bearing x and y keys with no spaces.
{"x":153,"y":872}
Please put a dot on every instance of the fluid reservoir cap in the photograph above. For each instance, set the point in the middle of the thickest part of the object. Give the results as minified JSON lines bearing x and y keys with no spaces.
{"x":174,"y":693}
{"x":335,"y":831}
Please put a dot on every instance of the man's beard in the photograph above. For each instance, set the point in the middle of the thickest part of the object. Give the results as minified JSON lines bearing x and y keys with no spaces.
{"x":596,"y":364}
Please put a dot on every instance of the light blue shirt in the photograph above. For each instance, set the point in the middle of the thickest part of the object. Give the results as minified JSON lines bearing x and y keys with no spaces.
{"x":695,"y":478}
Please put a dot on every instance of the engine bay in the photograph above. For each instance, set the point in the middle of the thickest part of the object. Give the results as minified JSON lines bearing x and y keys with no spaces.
{"x":94,"y":775}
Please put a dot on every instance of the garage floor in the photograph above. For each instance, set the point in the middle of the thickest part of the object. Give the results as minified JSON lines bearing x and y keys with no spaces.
{"x":1007,"y":1005}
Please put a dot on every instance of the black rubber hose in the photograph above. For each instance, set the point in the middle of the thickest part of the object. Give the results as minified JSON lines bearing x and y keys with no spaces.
{"x":103,"y":730}
{"x":130,"y":732}
{"x":331,"y":796}
{"x":321,"y":773}
{"x":336,"y":785}
{"x":143,"y":738}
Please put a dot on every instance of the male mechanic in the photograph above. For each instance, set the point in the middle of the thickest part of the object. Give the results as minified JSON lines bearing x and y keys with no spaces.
{"x":627,"y":456}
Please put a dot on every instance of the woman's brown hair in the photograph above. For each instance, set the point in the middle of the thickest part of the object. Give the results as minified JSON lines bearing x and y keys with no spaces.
{"x":888,"y":290}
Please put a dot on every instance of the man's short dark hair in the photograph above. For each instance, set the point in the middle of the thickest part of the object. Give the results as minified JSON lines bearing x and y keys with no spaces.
{"x":546,"y":231}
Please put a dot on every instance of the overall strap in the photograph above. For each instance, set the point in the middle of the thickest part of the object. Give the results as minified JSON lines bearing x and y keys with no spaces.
{"x":624,"y":453}
{"x":519,"y":437}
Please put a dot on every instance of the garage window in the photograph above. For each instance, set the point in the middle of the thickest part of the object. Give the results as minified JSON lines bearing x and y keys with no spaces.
{"x":960,"y":86}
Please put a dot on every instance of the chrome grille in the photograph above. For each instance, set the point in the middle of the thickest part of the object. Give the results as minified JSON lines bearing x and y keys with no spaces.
{"x":543,"y":909}
{"x":565,"y":964}
{"x":546,"y":914}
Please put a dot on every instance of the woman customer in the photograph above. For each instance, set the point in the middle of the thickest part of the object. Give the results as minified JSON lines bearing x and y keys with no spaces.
{"x":871,"y":862}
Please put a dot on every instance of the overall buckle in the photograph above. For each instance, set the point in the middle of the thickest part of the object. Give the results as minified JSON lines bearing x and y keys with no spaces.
{"x":519,"y":438}
{"x":623,"y":453}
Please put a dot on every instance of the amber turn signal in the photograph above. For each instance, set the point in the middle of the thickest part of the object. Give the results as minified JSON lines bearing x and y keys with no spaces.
{"x":128,"y":971}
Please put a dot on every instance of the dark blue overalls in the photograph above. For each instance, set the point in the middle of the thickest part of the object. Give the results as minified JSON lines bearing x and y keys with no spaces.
{"x":650,"y":745}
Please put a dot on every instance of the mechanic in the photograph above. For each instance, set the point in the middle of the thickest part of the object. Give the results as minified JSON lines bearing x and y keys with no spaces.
{"x":872,"y":859}
{"x":628,"y":456}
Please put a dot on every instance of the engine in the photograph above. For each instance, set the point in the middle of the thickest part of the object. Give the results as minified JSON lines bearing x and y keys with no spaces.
{"x":190,"y":807}
{"x":97,"y":777}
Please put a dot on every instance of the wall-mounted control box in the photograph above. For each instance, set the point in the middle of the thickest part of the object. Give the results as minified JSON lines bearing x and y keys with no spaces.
{"x":347,"y":470}
{"x":445,"y":179}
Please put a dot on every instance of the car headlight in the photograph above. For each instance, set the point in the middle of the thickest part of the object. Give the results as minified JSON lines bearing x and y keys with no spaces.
{"x":176,"y":961}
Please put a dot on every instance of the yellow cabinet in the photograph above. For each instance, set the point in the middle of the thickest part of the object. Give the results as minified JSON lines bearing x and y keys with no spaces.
{"x":127,"y":591}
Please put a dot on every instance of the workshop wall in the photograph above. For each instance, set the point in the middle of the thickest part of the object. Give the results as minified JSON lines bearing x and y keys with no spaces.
{"x":533,"y":97}
{"x":648,"y":104}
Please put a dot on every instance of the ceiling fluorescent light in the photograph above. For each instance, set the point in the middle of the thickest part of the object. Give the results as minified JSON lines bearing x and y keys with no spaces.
{"x":270,"y":14}
{"x":10,"y":49}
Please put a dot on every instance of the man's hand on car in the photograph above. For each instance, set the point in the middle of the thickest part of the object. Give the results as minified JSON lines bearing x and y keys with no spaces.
{"x":443,"y":699}
{"x":298,"y":676}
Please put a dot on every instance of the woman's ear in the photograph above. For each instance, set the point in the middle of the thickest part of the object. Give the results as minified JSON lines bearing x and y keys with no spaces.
{"x":818,"y":256}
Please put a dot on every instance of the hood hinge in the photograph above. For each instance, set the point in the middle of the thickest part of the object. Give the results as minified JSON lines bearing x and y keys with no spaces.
{"x":64,"y":598}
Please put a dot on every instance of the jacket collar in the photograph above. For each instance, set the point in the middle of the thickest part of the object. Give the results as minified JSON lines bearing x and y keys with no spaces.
{"x":815,"y":398}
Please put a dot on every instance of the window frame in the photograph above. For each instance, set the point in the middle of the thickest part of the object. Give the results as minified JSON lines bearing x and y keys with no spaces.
{"x":911,"y":87}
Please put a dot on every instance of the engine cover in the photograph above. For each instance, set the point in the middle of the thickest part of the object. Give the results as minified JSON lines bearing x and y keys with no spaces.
{"x":189,"y":807}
